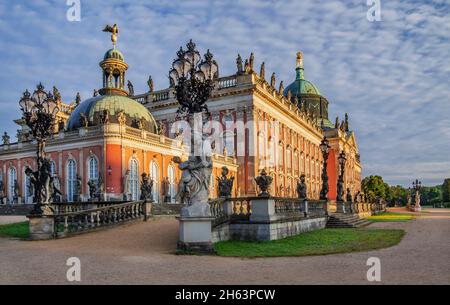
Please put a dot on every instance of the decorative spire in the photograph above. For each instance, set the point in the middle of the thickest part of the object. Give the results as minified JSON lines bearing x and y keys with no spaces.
{"x":299,"y":66}
{"x":281,"y":88}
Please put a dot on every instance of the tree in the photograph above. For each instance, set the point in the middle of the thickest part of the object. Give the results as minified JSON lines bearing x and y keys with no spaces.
{"x":446,"y":190}
{"x":374,"y":187}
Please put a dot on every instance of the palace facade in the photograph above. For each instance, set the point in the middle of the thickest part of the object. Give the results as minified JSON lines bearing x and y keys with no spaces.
{"x":115,"y":136}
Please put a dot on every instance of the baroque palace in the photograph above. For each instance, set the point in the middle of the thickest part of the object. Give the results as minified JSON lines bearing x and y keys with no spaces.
{"x":116,"y":136}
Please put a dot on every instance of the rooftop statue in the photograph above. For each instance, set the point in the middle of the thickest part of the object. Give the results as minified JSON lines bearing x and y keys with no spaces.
{"x":114,"y":30}
{"x":239,"y":66}
{"x":150,"y":84}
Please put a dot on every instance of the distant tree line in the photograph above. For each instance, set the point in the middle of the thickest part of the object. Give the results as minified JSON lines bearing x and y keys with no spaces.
{"x":375,"y":188}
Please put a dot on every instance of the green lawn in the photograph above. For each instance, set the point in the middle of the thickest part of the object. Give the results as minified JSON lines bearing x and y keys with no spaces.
{"x":320,"y":242}
{"x":16,"y":230}
{"x":390,"y":217}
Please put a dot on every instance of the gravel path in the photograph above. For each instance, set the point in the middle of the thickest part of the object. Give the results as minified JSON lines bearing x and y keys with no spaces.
{"x":4,"y":220}
{"x":143,"y":254}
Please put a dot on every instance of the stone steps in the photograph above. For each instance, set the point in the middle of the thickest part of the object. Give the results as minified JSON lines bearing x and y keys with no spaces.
{"x":337,"y":220}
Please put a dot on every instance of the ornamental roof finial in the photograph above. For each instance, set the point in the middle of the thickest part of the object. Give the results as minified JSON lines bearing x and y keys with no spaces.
{"x":114,"y":30}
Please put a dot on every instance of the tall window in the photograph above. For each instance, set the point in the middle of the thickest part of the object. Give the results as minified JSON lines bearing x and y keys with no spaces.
{"x":27,"y":195}
{"x":71,"y":180}
{"x":134,"y":180}
{"x":171,"y":175}
{"x":271,"y":153}
{"x":288,"y":160}
{"x":93,"y":168}
{"x":296,"y":163}
{"x":154,"y":175}
{"x":302,"y":164}
{"x":53,"y":168}
{"x":261,"y":150}
{"x":229,"y":143}
{"x":12,"y":180}
{"x":280,"y":155}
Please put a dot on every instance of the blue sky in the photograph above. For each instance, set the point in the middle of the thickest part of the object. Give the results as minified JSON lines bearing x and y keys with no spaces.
{"x":391,"y":76}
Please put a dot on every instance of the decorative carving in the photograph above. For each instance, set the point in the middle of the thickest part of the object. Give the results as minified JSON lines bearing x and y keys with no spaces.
{"x":247,"y":67}
{"x":93,"y":189}
{"x":161,"y":129}
{"x":289,"y":96}
{"x":264,"y":181}
{"x":121,"y":118}
{"x":225,"y":184}
{"x":104,"y":117}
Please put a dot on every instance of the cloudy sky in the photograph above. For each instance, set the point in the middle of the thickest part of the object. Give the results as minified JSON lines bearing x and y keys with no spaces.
{"x":392,"y":76}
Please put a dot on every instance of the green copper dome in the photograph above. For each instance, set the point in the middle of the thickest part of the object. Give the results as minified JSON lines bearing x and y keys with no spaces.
{"x":94,"y":107}
{"x":113,"y":53}
{"x":301,"y":85}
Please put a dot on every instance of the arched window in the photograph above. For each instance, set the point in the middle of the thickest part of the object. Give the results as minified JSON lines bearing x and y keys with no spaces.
{"x":93,"y":169}
{"x":27,"y":188}
{"x":171,"y":176}
{"x":296,"y":163}
{"x":288,"y":159}
{"x":71,"y":180}
{"x":154,"y":175}
{"x":53,"y":168}
{"x":280,"y":155}
{"x":134,"y":179}
{"x":271,"y":153}
{"x":12,"y":180}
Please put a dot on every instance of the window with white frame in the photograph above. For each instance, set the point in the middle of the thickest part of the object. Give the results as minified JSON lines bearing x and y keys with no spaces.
{"x":71,"y":181}
{"x":134,"y":179}
{"x":12,"y":180}
{"x":154,"y":175}
{"x":171,"y":175}
{"x":93,"y":168}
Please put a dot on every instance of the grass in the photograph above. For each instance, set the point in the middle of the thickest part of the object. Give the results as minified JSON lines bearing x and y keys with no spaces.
{"x":16,"y":230}
{"x":320,"y":242}
{"x":390,"y":217}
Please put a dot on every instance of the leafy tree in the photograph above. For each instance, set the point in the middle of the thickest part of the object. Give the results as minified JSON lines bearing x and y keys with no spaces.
{"x":374,"y":187}
{"x":446,"y":190}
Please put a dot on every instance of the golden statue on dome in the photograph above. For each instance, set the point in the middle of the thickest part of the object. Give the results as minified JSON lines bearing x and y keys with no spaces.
{"x":114,"y":30}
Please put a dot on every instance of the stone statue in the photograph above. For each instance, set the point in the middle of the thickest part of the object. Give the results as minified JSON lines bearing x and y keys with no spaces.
{"x":417,"y":199}
{"x":78,"y":99}
{"x":130,"y":88}
{"x":289,"y":96}
{"x":246,"y":66}
{"x":55,"y":191}
{"x":126,"y":184}
{"x":141,"y":123}
{"x":100,"y":185}
{"x":340,"y":190}
{"x":92,"y":184}
{"x":194,"y":185}
{"x":240,"y":69}
{"x":146,"y":187}
{"x":121,"y":118}
{"x":346,"y":124}
{"x":166,"y":189}
{"x":251,"y":60}
{"x":301,"y":188}
{"x":357,"y":197}
{"x":272,"y":80}
{"x":225,"y":184}
{"x":281,"y":88}
{"x":83,"y":120}
{"x":349,"y":196}
{"x":150,"y":84}
{"x":95,"y":93}
{"x":104,"y":117}
{"x":6,"y":138}
{"x":161,"y":129}
{"x":262,"y":72}
{"x":264,"y":181}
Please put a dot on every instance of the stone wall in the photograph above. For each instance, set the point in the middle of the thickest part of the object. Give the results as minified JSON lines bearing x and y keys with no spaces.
{"x":252,"y":231}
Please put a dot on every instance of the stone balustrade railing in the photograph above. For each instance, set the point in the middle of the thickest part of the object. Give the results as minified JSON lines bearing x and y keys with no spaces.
{"x":90,"y":219}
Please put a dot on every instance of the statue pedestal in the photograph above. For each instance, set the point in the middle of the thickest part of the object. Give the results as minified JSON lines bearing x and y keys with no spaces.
{"x":417,"y":208}
{"x":41,"y":227}
{"x":340,"y":207}
{"x":195,"y":234}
